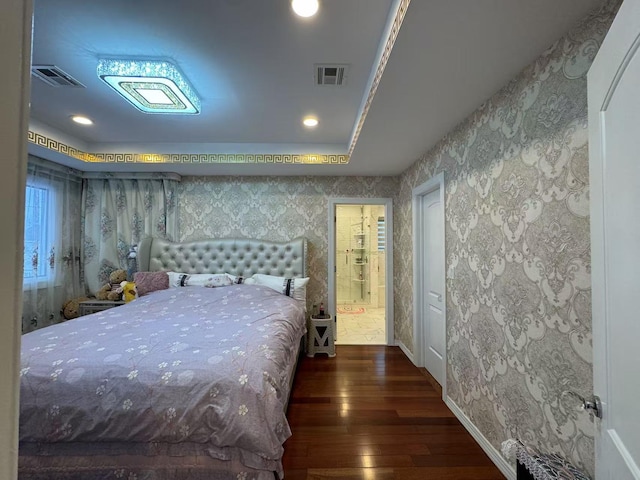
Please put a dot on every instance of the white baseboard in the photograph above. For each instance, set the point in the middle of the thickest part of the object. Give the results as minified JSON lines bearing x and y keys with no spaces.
{"x":507,"y":469}
{"x":407,"y":352}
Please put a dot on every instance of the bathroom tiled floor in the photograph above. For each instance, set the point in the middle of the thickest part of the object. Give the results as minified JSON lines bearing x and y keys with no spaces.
{"x":366,"y":328}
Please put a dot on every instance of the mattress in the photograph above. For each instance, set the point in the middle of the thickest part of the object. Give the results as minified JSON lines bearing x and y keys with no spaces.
{"x":183,"y":381}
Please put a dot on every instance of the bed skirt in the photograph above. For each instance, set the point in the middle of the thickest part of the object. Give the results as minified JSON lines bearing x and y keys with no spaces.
{"x":138,"y":467}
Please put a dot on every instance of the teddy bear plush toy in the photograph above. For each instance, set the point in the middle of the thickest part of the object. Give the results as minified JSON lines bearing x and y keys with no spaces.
{"x":71,"y":308}
{"x":111,"y":290}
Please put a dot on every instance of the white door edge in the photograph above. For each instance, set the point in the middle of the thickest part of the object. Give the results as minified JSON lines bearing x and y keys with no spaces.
{"x":613,"y":459}
{"x":434,"y":183}
{"x":331,"y":253}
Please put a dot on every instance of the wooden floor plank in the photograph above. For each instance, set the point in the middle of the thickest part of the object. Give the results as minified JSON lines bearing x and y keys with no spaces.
{"x":351,"y":474}
{"x":369,"y":413}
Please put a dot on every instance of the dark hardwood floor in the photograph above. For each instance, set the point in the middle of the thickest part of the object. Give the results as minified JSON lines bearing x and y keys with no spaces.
{"x":369,"y":413}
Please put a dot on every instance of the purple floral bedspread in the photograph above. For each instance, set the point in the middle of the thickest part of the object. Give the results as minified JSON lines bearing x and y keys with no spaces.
{"x":185,"y":366}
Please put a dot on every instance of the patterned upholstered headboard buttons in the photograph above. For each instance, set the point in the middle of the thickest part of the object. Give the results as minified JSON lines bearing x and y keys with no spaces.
{"x":240,"y":257}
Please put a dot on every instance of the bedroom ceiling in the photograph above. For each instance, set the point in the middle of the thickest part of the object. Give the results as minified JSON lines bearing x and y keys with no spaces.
{"x":251,"y":63}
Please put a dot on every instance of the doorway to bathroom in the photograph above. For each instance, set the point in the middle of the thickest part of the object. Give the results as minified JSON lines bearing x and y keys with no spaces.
{"x":361,"y":262}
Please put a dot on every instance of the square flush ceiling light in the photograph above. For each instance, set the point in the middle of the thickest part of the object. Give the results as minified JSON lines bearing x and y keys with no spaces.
{"x":150,"y":86}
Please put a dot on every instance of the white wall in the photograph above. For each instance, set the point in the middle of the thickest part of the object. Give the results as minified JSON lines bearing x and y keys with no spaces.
{"x":15,"y":36}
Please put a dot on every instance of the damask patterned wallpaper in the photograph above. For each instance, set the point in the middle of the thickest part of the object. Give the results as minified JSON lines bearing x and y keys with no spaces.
{"x":517,"y":252}
{"x":274,"y":208}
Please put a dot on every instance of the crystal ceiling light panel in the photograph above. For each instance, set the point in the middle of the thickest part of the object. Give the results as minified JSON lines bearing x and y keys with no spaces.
{"x":150,"y":86}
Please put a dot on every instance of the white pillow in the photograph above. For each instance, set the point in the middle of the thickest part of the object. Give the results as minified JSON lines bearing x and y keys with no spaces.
{"x":198,"y":279}
{"x":295,"y":288}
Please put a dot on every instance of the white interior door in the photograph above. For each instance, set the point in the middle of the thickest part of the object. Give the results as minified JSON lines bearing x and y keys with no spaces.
{"x":433,"y":282}
{"x":614,"y":151}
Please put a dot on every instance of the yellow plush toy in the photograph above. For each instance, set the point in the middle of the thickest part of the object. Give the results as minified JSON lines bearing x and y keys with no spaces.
{"x":129,"y":291}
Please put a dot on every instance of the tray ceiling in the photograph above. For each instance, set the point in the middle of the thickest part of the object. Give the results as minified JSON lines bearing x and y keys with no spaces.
{"x":254,"y":65}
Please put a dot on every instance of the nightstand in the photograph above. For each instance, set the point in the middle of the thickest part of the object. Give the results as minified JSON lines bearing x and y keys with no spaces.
{"x":93,"y":305}
{"x":320,"y":336}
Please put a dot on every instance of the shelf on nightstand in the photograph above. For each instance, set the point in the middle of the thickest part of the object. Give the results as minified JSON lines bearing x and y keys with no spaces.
{"x":92,"y":306}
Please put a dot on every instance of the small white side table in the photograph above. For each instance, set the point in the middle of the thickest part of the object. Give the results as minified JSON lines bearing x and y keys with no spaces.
{"x":320,"y":336}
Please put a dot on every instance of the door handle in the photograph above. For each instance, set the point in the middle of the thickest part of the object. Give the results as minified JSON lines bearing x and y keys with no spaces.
{"x":439,"y":298}
{"x":594,"y":404}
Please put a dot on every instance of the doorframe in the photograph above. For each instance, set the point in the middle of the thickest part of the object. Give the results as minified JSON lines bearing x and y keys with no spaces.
{"x":418,"y":193}
{"x":388,"y":277}
{"x":15,"y":35}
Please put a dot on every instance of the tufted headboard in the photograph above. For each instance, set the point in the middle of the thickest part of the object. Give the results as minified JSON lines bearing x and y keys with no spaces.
{"x":241,"y":257}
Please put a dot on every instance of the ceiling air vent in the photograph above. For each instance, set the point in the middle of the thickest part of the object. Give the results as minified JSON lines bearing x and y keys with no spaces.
{"x":334,"y":75}
{"x":54,"y":76}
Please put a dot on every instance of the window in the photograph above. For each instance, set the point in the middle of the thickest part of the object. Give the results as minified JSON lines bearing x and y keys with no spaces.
{"x":381,"y":234}
{"x":39,"y":233}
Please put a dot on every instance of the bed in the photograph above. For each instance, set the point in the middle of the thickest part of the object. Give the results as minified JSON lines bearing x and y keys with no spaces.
{"x":181,"y":383}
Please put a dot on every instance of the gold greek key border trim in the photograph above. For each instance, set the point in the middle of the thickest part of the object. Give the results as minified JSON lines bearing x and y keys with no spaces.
{"x":391,"y":40}
{"x":186,"y":158}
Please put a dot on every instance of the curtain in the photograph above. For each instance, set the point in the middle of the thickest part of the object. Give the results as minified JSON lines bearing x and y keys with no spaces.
{"x":120,"y":210}
{"x":52,"y":269}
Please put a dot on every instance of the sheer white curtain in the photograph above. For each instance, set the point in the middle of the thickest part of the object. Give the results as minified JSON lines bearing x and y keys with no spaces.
{"x":52,"y":269}
{"x":120,"y":210}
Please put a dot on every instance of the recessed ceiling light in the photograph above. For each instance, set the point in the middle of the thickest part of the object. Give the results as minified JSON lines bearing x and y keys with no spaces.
{"x":82,"y":120}
{"x":310,"y":121}
{"x":150,"y":86}
{"x":305,"y":8}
